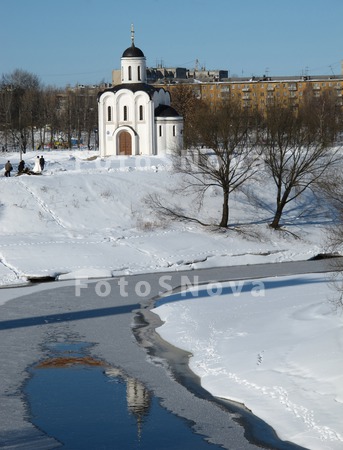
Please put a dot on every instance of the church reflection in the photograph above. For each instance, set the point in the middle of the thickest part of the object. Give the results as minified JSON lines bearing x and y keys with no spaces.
{"x":138,"y":398}
{"x":83,"y":404}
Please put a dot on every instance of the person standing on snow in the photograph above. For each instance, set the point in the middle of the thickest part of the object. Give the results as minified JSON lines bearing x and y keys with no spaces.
{"x":37,"y":168}
{"x":21,"y":166}
{"x":8,"y":169}
{"x":42,"y":162}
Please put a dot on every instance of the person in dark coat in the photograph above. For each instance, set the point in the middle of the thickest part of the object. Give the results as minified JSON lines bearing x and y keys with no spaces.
{"x":8,"y":169}
{"x":21,"y":166}
{"x":42,"y":162}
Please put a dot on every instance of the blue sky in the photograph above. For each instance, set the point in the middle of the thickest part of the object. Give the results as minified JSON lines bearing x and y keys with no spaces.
{"x":81,"y":41}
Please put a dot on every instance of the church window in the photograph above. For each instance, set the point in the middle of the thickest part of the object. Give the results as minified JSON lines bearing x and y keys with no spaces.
{"x":141,"y":117}
{"x":160,"y":131}
{"x":130,"y":73}
{"x":125,"y":113}
{"x":139,"y":73}
{"x":174,"y":130}
{"x":109,"y":114}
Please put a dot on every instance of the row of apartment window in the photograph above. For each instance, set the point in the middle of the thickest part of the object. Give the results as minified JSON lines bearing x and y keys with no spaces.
{"x":125,"y":113}
{"x":248,"y":94}
{"x":268,"y":100}
{"x":290,"y":86}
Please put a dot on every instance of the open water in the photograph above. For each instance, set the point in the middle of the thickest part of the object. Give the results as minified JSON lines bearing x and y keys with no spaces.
{"x":86,"y":405}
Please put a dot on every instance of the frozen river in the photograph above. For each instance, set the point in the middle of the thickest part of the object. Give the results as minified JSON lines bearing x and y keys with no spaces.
{"x":103,"y":313}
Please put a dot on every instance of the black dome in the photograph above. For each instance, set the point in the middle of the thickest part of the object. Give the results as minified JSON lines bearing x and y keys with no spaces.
{"x":133,"y":52}
{"x":166,"y":111}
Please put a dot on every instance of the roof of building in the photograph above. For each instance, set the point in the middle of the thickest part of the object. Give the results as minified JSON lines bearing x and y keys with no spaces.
{"x":133,"y":52}
{"x":133,"y":87}
{"x":166,"y":111}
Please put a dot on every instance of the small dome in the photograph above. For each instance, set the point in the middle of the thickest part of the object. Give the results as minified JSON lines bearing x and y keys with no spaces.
{"x":166,"y":111}
{"x":133,"y":52}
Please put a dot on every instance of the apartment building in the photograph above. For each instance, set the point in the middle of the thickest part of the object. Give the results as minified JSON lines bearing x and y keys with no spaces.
{"x":258,"y":92}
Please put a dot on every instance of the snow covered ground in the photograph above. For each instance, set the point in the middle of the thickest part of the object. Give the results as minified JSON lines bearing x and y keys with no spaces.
{"x":274,"y":345}
{"x":279,"y":353}
{"x":85,"y":213}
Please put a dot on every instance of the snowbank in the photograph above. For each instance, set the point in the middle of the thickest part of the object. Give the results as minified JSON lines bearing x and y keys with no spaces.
{"x":276,"y":347}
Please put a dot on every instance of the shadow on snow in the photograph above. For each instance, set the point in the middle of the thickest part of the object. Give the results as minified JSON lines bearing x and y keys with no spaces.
{"x":66,"y":317}
{"x":236,"y":288}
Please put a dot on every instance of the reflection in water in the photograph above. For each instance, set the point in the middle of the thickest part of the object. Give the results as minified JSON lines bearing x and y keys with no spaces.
{"x":84,"y":404}
{"x":137,"y":396}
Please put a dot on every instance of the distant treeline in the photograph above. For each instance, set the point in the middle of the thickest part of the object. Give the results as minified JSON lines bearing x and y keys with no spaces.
{"x":33,"y":116}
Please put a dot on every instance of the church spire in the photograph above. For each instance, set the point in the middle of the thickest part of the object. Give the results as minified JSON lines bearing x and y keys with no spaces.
{"x":132,"y":35}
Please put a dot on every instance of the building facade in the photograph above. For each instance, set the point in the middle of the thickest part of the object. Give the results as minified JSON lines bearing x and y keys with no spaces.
{"x":259,"y":92}
{"x":135,"y":118}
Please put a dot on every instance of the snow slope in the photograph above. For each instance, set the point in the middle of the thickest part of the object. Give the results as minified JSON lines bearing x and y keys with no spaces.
{"x":85,"y":213}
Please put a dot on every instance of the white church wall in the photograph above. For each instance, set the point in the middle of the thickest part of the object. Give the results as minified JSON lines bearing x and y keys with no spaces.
{"x":125,"y":107}
{"x":106,"y":100}
{"x":133,"y":70}
{"x":169,"y":134}
{"x":108,"y":142}
{"x":145,"y":132}
{"x":143,"y":122}
{"x":150,"y":145}
{"x":161,"y":137}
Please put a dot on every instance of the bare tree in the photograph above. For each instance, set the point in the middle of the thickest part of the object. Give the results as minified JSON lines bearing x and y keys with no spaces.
{"x":298,"y":147}
{"x":69,"y":116}
{"x":335,"y":251}
{"x":23,"y":106}
{"x":88,"y":114}
{"x":91,"y":120}
{"x":331,"y":190}
{"x":186,"y":103}
{"x":6,"y":98}
{"x":224,"y":153}
{"x":184,"y":100}
{"x":50,"y":115}
{"x":29,"y":111}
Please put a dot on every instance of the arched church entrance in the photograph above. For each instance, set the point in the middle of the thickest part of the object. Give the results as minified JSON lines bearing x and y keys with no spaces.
{"x":125,"y":143}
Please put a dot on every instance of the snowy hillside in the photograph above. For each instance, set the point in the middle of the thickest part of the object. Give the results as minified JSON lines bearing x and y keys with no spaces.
{"x":84,"y":214}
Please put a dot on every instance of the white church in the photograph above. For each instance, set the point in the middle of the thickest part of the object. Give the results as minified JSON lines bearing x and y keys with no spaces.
{"x":136,"y":118}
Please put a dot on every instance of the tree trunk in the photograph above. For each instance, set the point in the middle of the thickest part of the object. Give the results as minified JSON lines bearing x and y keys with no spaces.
{"x":225,"y":211}
{"x":279,"y":208}
{"x":89,"y":139}
{"x":277,"y":217}
{"x":33,"y":137}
